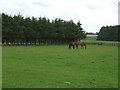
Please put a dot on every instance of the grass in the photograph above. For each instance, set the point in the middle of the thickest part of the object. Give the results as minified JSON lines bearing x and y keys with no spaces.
{"x":93,"y":40}
{"x":88,"y":38}
{"x":57,"y":67}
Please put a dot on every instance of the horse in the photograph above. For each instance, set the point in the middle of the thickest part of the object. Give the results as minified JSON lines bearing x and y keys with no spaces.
{"x":81,"y":44}
{"x":71,"y":44}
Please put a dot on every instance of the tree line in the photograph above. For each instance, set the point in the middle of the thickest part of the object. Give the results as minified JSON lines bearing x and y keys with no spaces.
{"x":109,"y":33}
{"x":30,"y":30}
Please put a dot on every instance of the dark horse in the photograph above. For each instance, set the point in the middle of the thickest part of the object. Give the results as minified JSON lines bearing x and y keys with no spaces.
{"x":78,"y":43}
{"x":72,"y":44}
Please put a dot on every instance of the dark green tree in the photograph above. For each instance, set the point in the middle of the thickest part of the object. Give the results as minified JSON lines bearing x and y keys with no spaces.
{"x":18,"y":30}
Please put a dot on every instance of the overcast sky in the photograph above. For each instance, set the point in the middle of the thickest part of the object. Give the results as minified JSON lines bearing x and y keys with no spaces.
{"x":93,"y":14}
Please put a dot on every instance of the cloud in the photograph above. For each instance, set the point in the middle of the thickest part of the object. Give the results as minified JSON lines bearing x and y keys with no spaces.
{"x":70,"y":13}
{"x":92,"y":13}
{"x":42,"y":4}
{"x":93,"y":7}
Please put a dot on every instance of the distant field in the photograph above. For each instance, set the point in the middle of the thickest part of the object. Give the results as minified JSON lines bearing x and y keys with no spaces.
{"x":58,"y":67}
{"x":93,"y":39}
{"x":92,"y":35}
{"x":90,"y":38}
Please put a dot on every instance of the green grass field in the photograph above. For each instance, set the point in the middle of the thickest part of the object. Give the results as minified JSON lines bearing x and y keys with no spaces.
{"x":93,"y":40}
{"x":58,"y":67}
{"x":90,"y":38}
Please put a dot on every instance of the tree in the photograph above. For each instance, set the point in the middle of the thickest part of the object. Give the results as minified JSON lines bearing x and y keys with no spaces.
{"x":19,"y":30}
{"x":109,"y":33}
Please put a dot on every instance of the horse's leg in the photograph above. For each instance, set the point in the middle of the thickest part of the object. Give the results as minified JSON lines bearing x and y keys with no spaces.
{"x":69,"y":46}
{"x":85,"y":46}
{"x":81,"y":46}
{"x":77,"y":46}
{"x":73,"y":46}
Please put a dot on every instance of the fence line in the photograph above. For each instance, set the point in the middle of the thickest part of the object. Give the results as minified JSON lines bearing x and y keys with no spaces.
{"x":63,"y":43}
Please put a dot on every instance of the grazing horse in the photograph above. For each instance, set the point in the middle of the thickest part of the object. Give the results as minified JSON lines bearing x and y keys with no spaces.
{"x":81,"y":44}
{"x":72,"y":44}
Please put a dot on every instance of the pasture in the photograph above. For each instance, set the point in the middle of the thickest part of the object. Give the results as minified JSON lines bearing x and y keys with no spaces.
{"x":92,"y":39}
{"x":55,"y":66}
